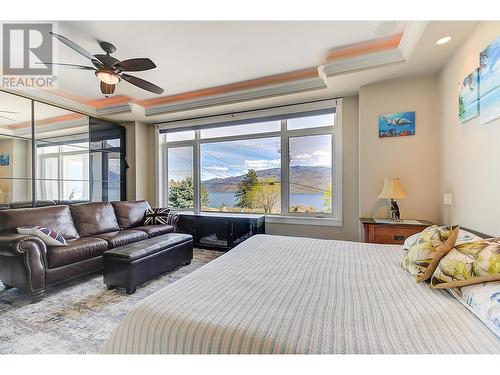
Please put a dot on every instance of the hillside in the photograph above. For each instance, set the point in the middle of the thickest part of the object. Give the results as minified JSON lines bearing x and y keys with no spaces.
{"x":316,"y":177}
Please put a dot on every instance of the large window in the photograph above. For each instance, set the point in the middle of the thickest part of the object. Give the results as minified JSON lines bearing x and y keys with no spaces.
{"x":287,"y":166}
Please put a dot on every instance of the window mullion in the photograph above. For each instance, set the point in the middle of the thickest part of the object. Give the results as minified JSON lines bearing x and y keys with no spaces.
{"x":284,"y":168}
{"x":196,"y":172}
{"x":164,"y":195}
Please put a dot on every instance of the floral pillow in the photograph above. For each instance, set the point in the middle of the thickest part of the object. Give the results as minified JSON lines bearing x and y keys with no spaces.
{"x":483,"y":300}
{"x":469,"y":263}
{"x":432,"y":244}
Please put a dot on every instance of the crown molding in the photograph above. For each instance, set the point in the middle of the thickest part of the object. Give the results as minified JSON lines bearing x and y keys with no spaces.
{"x":398,"y":55}
{"x":309,"y":84}
{"x":411,"y":36}
{"x":115,"y":109}
{"x":358,"y":63}
{"x":284,"y":84}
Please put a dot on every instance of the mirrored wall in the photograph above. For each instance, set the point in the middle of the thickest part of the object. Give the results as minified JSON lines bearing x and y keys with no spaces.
{"x":51,"y":155}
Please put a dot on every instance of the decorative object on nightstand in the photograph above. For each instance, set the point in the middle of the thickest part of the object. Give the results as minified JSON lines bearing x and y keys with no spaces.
{"x":386,"y":231}
{"x":393,"y":190}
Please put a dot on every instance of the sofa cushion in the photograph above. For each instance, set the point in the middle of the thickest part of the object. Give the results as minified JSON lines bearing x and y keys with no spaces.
{"x":76,"y":250}
{"x":57,"y":218}
{"x":123,"y":237}
{"x":155,"y":230}
{"x":94,"y":218}
{"x":130,"y":214}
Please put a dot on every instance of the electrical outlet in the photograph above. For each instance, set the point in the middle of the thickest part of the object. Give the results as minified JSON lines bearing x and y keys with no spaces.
{"x":447,"y":199}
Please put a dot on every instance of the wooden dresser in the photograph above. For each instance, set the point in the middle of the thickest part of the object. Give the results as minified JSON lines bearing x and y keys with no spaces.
{"x":392,"y":233}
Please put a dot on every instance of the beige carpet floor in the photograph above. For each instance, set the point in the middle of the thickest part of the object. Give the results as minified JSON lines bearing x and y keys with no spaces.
{"x":76,"y":317}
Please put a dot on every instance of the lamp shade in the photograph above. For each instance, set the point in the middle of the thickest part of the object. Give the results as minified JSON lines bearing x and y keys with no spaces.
{"x":392,"y":189}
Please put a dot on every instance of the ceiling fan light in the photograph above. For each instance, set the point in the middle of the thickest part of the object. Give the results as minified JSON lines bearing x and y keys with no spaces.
{"x":107,"y":77}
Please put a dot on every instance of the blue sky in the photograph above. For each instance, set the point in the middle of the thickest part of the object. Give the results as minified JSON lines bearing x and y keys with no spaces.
{"x":225,"y":159}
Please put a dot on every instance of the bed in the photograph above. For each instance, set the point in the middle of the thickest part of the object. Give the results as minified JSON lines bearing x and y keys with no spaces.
{"x":274,"y":294}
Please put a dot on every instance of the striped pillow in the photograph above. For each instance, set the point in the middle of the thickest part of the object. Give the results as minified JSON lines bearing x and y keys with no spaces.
{"x":49,"y":237}
{"x":157,"y":216}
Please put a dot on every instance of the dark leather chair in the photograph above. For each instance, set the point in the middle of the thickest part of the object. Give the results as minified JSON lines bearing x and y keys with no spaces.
{"x":89,"y":228}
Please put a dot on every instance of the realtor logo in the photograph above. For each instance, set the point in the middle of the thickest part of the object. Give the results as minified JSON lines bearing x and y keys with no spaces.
{"x":25,"y":47}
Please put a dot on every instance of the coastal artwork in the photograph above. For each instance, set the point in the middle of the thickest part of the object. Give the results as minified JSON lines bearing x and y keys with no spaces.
{"x":468,"y":98}
{"x":399,"y":124}
{"x":489,"y":78}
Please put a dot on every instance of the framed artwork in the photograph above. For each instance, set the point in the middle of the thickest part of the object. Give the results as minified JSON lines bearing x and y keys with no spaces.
{"x":468,"y":98}
{"x":400,"y":124}
{"x":489,"y":78}
{"x":4,"y":159}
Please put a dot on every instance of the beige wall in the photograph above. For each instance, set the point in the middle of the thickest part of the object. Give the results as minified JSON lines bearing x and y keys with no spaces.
{"x":412,"y":158}
{"x":140,"y":158}
{"x":469,"y":154}
{"x":349,"y":231}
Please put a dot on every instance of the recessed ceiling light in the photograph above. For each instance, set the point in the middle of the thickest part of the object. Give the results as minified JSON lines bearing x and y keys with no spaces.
{"x":444,"y":40}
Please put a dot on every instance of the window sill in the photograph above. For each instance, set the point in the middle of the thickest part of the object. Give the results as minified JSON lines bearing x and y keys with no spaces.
{"x":302,"y":220}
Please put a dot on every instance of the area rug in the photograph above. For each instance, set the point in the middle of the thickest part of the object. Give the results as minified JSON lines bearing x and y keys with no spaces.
{"x":76,"y":317}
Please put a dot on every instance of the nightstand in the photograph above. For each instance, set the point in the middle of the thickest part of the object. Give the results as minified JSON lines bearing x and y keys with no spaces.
{"x":386,"y":232}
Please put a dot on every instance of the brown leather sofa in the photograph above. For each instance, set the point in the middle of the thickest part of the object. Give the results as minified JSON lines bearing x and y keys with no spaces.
{"x":89,"y":228}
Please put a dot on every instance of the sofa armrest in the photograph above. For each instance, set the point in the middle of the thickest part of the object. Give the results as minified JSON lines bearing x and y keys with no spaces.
{"x":173,"y":219}
{"x":14,"y":244}
{"x":23,"y":262}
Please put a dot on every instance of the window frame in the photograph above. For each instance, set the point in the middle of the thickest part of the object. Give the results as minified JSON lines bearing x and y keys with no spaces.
{"x":285,"y":216}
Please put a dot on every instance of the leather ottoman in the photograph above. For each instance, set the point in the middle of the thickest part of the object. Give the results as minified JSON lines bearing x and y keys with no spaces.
{"x":131,"y":265}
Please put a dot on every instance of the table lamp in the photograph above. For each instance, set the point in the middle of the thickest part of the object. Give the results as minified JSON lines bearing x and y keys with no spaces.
{"x":392,"y":190}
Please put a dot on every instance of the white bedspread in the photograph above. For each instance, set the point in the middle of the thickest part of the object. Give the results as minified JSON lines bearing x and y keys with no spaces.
{"x":276,"y":294}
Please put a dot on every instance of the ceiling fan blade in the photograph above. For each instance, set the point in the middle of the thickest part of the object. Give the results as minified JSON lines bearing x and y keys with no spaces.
{"x":137,"y":65}
{"x":145,"y":85}
{"x":72,"y":66}
{"x":73,"y":46}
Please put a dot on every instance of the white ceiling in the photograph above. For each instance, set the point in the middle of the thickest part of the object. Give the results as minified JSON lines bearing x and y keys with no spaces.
{"x":196,"y":55}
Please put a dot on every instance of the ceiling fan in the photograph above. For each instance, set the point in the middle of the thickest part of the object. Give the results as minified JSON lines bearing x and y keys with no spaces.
{"x":9,"y":113}
{"x":108,"y":69}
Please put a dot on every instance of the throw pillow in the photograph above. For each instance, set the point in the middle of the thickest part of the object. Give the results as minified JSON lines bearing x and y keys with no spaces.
{"x":469,"y":263}
{"x":157,"y":216}
{"x":483,"y":300}
{"x":432,"y":244}
{"x":49,"y":237}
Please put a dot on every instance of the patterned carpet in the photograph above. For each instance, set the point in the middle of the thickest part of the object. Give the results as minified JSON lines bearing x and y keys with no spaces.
{"x":76,"y":317}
